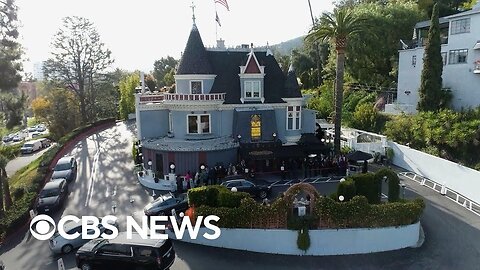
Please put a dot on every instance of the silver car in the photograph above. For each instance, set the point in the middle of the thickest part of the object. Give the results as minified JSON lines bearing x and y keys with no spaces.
{"x":60,"y":245}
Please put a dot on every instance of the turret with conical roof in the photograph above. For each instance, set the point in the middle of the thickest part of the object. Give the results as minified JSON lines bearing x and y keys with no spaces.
{"x":194,"y":59}
{"x":292,"y":90}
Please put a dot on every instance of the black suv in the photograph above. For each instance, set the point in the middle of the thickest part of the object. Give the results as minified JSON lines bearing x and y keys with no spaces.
{"x":125,"y":254}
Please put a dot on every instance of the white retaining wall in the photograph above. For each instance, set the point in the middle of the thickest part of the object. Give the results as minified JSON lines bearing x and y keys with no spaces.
{"x":456,"y":177}
{"x":322,"y":242}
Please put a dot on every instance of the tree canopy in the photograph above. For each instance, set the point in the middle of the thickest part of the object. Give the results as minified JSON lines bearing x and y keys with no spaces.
{"x":163,"y":71}
{"x":10,"y":49}
{"x":431,"y":97}
{"x":79,"y":58}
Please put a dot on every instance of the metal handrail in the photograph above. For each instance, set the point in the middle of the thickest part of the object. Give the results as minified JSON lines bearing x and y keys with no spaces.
{"x":451,"y":194}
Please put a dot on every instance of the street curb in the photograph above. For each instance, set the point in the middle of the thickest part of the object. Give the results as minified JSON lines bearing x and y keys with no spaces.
{"x":68,"y":146}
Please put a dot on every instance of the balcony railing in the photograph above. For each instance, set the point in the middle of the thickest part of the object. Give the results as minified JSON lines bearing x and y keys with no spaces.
{"x":168,"y":97}
{"x":421,"y":42}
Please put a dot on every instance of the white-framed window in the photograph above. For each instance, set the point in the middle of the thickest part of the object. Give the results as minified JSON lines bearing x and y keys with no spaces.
{"x":198,"y":123}
{"x":460,"y":26}
{"x":170,"y":123}
{"x":457,"y":56}
{"x":252,"y":89}
{"x":414,"y":60}
{"x":294,"y":114}
{"x":196,"y":87}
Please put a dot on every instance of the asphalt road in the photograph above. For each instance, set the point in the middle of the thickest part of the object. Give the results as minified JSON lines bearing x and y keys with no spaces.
{"x":22,"y":161}
{"x":105,"y":178}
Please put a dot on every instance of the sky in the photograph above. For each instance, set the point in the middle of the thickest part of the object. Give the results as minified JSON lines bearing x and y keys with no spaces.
{"x":142,"y":31}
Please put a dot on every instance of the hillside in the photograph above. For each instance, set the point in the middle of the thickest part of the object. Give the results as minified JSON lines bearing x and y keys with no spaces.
{"x":284,"y":48}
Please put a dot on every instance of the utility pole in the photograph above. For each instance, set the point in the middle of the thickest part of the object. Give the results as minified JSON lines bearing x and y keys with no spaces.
{"x":317,"y":50}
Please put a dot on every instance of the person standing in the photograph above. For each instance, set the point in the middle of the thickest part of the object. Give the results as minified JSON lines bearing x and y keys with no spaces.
{"x":188,"y":177}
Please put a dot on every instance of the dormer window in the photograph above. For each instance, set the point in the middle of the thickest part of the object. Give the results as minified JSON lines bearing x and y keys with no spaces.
{"x":252,"y":90}
{"x":196,"y":87}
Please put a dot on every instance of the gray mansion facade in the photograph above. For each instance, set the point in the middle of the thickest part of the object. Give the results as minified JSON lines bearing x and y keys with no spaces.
{"x":228,"y":105}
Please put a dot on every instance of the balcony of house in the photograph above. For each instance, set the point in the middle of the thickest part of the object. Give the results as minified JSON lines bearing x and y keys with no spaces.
{"x":168,"y":98}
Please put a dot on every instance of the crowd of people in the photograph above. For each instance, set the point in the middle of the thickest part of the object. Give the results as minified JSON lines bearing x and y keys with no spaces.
{"x":321,"y":165}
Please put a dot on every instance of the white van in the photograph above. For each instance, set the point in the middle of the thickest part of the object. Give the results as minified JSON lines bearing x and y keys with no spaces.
{"x":31,"y":146}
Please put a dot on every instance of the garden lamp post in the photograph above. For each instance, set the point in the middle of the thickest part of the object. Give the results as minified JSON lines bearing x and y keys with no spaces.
{"x":403,"y":190}
{"x":172,"y":168}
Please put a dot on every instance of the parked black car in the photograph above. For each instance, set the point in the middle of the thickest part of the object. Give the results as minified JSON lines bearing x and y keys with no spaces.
{"x":66,"y":168}
{"x":243,"y":185}
{"x":52,"y":196}
{"x":126,"y":254}
{"x":164,"y":204}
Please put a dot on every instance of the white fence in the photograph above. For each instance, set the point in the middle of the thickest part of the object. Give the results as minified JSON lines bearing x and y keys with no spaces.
{"x":322,"y":242}
{"x":458,"y":182}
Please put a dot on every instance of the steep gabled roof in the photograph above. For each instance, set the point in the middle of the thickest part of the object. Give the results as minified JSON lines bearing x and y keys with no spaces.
{"x":252,"y":66}
{"x":226,"y":66}
{"x":194,"y":59}
{"x":292,"y":90}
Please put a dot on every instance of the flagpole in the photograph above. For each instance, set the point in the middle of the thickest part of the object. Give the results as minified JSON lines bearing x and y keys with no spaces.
{"x":216,"y":23}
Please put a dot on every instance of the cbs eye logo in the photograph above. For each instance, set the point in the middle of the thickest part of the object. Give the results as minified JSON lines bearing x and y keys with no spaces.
{"x":42,"y":227}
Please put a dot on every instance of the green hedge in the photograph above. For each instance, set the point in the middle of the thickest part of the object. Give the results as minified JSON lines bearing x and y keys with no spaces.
{"x":393,"y":183}
{"x":358,"y":213}
{"x":18,"y":215}
{"x":327,"y":213}
{"x":346,"y":189}
{"x":249,"y":214}
{"x":215,"y":196}
{"x":368,"y":185}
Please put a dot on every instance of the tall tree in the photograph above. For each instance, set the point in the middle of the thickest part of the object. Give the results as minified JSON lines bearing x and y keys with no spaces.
{"x":127,"y":94}
{"x":161,"y":68}
{"x":59,"y":110}
{"x":78,"y":59}
{"x":4,"y":182}
{"x":431,"y":81}
{"x":10,"y":49}
{"x":338,"y":27}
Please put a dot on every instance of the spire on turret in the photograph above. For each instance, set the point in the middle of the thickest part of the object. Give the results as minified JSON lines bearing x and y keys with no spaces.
{"x":193,"y":14}
{"x":291,"y":84}
{"x":194,"y":58}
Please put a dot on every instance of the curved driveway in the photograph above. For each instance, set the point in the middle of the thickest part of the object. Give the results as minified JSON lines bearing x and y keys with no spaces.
{"x":105,"y":179}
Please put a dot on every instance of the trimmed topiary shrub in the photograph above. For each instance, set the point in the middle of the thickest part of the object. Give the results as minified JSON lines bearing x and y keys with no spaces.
{"x":215,"y":196}
{"x":347,"y":189}
{"x":369,"y":186}
{"x":226,"y":198}
{"x":393,"y":183}
{"x":303,"y":240}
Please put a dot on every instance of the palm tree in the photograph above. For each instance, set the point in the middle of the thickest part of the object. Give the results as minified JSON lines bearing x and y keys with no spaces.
{"x":4,"y":182}
{"x":338,"y":27}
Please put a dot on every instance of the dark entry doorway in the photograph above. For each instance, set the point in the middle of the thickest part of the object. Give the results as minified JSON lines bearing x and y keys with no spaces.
{"x":159,"y":165}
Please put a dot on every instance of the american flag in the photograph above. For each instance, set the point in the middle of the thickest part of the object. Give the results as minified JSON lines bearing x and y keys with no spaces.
{"x":223,"y":3}
{"x":217,"y":19}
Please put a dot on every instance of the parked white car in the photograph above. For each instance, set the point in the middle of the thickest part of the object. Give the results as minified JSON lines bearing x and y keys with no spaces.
{"x":59,"y":245}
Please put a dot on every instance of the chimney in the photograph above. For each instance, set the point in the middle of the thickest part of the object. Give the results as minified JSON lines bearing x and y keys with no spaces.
{"x":220,"y":44}
{"x":142,"y":80}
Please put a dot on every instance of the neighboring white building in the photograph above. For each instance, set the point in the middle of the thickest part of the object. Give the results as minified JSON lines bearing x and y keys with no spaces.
{"x":460,"y":36}
{"x":38,"y":71}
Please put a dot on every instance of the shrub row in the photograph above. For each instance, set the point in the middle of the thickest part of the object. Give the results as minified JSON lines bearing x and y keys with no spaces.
{"x":249,"y":214}
{"x":358,"y":213}
{"x":327,"y":213}
{"x":215,"y":196}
